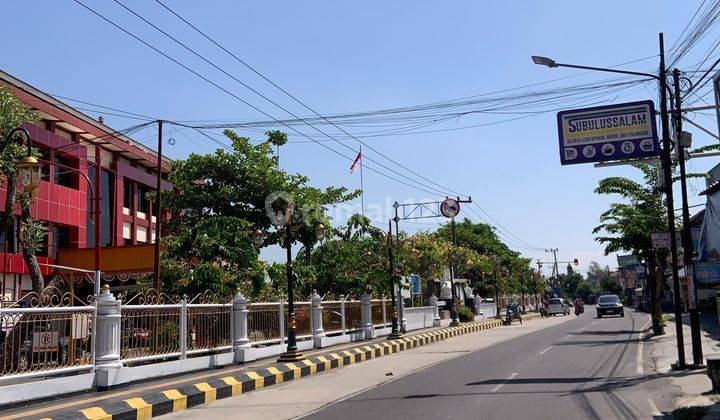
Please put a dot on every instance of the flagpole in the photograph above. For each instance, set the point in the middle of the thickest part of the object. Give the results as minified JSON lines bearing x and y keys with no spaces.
{"x":362,"y":187}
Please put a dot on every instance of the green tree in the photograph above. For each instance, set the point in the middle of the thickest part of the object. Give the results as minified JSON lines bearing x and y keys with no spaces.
{"x":32,"y":232}
{"x":628,"y":225}
{"x":218,"y":200}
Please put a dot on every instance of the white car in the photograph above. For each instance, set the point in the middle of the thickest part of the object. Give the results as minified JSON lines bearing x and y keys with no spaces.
{"x":558,"y":306}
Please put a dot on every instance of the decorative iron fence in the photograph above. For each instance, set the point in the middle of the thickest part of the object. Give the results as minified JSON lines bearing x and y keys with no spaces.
{"x":378,"y":314}
{"x":303,"y":319}
{"x":150,"y":331}
{"x":332,"y":317}
{"x":263,"y":323}
{"x":209,"y":327}
{"x":353,"y":315}
{"x":35,"y":341}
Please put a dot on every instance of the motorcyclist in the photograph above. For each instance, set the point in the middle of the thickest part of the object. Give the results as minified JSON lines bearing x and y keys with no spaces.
{"x":578,"y":304}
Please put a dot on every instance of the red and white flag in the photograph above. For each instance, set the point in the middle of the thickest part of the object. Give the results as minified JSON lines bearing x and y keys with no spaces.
{"x":356,"y":164}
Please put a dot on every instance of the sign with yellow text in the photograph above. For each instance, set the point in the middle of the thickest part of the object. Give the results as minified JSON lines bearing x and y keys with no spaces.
{"x":608,"y":133}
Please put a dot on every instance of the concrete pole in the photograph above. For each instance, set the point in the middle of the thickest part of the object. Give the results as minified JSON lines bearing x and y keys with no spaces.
{"x":241,"y":342}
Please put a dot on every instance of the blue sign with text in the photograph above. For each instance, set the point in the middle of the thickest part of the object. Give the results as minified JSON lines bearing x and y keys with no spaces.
{"x":607,"y":133}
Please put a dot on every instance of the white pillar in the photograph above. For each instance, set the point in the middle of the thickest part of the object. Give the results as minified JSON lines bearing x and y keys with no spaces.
{"x":433,"y":301}
{"x":402,"y":321}
{"x":316,"y":308}
{"x":107,"y":339}
{"x":366,"y":316}
{"x":342,"y":313}
{"x":281,"y":320}
{"x":384,"y":311}
{"x":241,"y":342}
{"x":477,"y":300}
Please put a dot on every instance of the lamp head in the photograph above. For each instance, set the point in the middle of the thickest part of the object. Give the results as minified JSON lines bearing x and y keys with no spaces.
{"x":544,"y":61}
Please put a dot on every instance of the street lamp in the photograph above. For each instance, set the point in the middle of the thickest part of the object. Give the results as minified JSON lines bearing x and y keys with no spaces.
{"x":29,"y":175}
{"x":544,"y":61}
{"x":290,"y":229}
{"x":666,"y":160}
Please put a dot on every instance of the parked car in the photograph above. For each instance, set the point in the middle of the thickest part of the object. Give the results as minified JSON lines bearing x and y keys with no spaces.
{"x":610,"y":305}
{"x":557,"y":306}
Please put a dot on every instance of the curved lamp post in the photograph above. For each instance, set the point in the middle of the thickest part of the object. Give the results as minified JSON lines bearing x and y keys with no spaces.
{"x":291,"y":354}
{"x":29,"y":175}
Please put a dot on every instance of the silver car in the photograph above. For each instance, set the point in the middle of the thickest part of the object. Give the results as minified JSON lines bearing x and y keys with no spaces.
{"x":558,"y":306}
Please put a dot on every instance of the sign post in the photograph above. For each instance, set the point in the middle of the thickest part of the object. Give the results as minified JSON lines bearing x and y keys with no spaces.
{"x":605,"y":133}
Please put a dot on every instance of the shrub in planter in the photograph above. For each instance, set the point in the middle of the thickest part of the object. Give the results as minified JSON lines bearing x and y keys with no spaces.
{"x":465,"y":314}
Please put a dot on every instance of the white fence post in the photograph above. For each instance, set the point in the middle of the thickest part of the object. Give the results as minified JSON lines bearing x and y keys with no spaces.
{"x":107,"y":353}
{"x":183,"y":328}
{"x":366,"y":315}
{"x":316,"y":309}
{"x":477,"y":301}
{"x":384,"y":311}
{"x":240,"y":318}
{"x":433,"y":301}
{"x":342,"y":314}
{"x":400,"y":303}
{"x":281,"y":314}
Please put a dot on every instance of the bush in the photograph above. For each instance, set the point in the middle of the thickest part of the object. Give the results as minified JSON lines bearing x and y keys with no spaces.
{"x":465,"y":314}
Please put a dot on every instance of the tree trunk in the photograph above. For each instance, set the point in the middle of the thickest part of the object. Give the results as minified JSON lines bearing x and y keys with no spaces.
{"x":36,"y":276}
{"x":657,"y":278}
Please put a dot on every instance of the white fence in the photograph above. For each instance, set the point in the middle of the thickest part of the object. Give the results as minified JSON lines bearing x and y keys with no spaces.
{"x":115,"y":343}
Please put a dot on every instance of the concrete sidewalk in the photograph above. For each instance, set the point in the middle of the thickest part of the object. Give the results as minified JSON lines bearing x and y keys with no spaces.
{"x":693,"y":387}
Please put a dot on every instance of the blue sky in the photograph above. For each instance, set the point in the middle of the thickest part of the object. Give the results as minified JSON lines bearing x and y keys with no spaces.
{"x":355,"y":56}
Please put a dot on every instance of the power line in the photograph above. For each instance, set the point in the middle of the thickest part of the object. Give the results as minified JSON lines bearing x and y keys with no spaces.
{"x":192,"y":51}
{"x":235,"y":96}
{"x":298,"y":100}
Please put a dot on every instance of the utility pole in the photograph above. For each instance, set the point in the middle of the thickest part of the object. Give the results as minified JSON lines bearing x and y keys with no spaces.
{"x":686,"y":234}
{"x":667,"y":172}
{"x":158,"y":216}
{"x":555,"y":270}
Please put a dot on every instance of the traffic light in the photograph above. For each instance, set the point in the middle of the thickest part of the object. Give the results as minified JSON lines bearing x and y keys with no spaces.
{"x":576,"y":262}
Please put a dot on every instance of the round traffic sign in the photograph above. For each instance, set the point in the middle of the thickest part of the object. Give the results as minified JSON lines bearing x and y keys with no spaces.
{"x":450,"y":208}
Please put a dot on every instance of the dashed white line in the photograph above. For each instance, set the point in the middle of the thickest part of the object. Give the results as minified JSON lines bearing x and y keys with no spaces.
{"x":583,"y":328}
{"x":567,"y":336}
{"x":504,"y":382}
{"x":653,"y":408}
{"x":544,"y":351}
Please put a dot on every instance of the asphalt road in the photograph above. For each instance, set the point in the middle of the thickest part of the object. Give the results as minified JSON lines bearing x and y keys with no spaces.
{"x":584,"y":368}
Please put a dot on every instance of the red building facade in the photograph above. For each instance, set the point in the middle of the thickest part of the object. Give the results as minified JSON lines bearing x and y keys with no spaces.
{"x":72,"y":139}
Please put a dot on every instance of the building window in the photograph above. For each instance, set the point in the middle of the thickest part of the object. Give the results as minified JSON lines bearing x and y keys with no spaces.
{"x":141,"y":234}
{"x":127,"y":196}
{"x":64,"y":176}
{"x":60,"y":240}
{"x":107,"y":209}
{"x":142,"y":201}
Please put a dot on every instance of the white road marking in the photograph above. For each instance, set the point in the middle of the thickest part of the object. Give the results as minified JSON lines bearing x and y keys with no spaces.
{"x":504,"y":382}
{"x":544,"y":351}
{"x":639,"y":360}
{"x":567,"y":336}
{"x":594,"y":322}
{"x":653,"y":408}
{"x":583,"y":328}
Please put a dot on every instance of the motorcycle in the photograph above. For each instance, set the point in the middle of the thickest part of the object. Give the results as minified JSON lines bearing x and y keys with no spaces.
{"x":579,"y":310}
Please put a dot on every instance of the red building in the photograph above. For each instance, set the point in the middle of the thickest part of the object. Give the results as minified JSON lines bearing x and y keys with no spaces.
{"x":71,"y":138}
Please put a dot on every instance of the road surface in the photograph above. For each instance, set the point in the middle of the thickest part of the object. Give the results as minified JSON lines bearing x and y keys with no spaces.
{"x":564,"y":367}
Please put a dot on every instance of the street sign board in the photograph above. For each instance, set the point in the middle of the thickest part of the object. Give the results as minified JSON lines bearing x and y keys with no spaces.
{"x":415,"y":284}
{"x":605,"y":133}
{"x":707,"y":272}
{"x":625,"y":260}
{"x":661,"y":240}
{"x":450,"y":208}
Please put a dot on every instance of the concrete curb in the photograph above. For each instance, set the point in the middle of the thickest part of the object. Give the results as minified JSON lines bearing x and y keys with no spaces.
{"x":157,"y":403}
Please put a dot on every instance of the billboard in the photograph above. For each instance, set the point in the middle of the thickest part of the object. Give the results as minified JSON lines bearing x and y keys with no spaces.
{"x":606,"y":133}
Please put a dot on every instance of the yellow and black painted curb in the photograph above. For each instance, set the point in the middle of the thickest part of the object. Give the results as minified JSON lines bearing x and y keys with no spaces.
{"x":156,"y":403}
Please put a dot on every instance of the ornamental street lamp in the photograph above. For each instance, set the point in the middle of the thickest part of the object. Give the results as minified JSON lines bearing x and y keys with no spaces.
{"x":29,"y":174}
{"x":289,"y":228}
